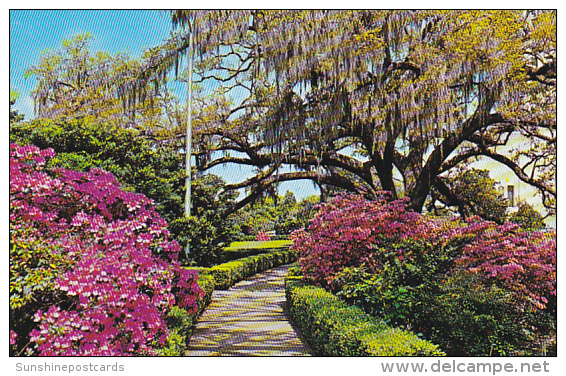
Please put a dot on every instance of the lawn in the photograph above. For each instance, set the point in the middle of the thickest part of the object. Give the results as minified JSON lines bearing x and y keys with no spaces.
{"x":258,"y":244}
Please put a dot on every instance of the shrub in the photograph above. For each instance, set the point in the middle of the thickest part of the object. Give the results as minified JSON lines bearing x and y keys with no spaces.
{"x":227,"y":274}
{"x":334,"y":329}
{"x":97,"y":259}
{"x":467,"y":318}
{"x":522,"y":262}
{"x":350,"y":231}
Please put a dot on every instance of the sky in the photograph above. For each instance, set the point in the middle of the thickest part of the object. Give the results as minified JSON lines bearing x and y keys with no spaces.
{"x":35,"y":32}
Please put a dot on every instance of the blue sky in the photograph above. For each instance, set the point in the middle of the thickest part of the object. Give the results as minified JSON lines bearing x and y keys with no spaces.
{"x":34,"y":32}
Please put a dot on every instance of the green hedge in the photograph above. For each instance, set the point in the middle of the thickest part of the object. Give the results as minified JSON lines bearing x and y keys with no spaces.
{"x":181,"y":324}
{"x":227,"y":274}
{"x":231,"y":254}
{"x":332,"y":328}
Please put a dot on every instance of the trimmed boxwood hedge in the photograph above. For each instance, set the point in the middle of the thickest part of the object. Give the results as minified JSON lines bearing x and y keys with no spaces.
{"x":229,"y":254}
{"x":332,"y":328}
{"x":227,"y":274}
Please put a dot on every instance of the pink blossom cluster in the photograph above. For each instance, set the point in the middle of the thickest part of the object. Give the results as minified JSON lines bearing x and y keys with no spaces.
{"x":124,"y":275}
{"x":262,"y":236}
{"x":348,"y":230}
{"x":523,"y":262}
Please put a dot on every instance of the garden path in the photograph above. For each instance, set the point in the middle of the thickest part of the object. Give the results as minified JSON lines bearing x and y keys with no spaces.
{"x":248,"y":319}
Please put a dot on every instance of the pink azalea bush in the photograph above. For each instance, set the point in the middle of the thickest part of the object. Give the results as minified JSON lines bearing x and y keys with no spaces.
{"x":96,"y":260}
{"x":523,"y":262}
{"x":262,"y":236}
{"x":350,"y":231}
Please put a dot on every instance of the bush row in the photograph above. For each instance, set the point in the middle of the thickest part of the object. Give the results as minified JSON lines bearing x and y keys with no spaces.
{"x":67,"y":300}
{"x":182,"y":323}
{"x":227,"y":274}
{"x":332,"y":328}
{"x":231,"y":254}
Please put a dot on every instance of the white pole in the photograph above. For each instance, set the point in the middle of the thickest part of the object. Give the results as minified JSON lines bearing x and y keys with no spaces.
{"x":189,"y":136}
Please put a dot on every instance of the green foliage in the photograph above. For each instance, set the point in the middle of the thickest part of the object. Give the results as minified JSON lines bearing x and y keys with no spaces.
{"x":15,"y":117}
{"x":206,"y":283}
{"x":527,"y":218}
{"x":270,"y":244}
{"x":299,"y":215}
{"x":416,"y":92}
{"x":393,"y":293}
{"x":238,"y":250}
{"x":456,"y":311}
{"x":74,"y":82}
{"x":466,"y":318}
{"x":333,"y":328}
{"x":479,"y":195}
{"x":206,"y":229}
{"x":181,"y":324}
{"x":137,"y":164}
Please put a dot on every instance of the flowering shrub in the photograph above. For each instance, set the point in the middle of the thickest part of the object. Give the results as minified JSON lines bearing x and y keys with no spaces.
{"x":350,"y":231}
{"x":107,"y":273}
{"x":139,"y":166}
{"x":443,"y":279}
{"x":262,"y":236}
{"x":523,"y":262}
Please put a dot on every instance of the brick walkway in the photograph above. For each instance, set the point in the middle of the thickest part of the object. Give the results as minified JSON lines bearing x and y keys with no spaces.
{"x":247,"y":320}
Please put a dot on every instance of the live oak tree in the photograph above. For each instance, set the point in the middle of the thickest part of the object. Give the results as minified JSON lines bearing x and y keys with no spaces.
{"x":370,"y":100}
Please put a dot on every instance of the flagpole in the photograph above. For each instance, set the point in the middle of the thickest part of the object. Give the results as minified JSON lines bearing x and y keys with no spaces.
{"x":189,"y":135}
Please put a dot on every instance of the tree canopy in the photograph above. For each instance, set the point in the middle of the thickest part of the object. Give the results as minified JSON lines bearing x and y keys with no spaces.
{"x":76,"y":83}
{"x":360,"y":99}
{"x":364,"y":101}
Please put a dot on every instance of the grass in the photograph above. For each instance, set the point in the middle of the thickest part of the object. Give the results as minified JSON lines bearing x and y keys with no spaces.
{"x":258,"y":244}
